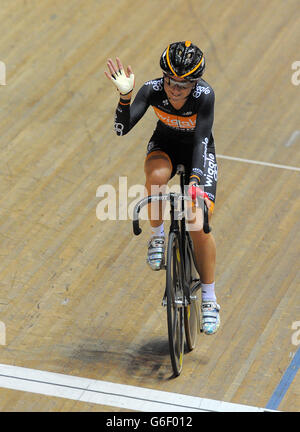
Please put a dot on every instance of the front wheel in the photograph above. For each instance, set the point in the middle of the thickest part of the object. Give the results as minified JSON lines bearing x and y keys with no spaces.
{"x":191,"y":311}
{"x":175,"y":309}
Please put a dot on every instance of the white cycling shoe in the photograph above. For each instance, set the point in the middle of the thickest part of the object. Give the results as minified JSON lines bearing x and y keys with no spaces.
{"x":210,"y":317}
{"x":156,"y":252}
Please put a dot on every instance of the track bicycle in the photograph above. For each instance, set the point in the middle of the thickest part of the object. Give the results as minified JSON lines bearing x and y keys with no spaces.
{"x":182,"y":279}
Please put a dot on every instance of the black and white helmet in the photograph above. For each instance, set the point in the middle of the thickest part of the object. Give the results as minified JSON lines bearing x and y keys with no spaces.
{"x":184,"y":60}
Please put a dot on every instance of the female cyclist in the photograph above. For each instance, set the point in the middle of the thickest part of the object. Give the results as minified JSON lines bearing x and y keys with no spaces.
{"x":184,"y":105}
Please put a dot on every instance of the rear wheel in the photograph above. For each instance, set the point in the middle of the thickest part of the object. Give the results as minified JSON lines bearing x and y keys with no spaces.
{"x":175,"y":309}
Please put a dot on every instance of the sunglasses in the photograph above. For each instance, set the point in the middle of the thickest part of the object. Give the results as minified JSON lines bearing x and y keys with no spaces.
{"x":181,"y":84}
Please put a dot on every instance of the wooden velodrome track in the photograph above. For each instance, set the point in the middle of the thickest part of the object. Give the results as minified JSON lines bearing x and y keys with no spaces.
{"x":76,"y":296}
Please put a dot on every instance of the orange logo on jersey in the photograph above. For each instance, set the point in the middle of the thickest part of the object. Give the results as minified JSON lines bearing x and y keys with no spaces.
{"x":178,"y":122}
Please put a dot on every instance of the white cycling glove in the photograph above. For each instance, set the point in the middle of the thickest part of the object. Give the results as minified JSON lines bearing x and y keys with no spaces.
{"x":123,"y":83}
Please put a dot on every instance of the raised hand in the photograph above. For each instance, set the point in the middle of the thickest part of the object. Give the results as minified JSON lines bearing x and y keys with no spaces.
{"x":124,"y":81}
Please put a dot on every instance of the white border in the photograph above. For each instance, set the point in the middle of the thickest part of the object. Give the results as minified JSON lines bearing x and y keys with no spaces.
{"x":110,"y":394}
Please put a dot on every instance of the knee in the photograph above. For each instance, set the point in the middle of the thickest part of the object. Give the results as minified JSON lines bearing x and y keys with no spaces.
{"x":157,"y":170}
{"x":157,"y":177}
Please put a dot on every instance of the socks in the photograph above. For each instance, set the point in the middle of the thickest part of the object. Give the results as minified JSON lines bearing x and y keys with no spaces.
{"x":208,"y":292}
{"x":158,"y":231}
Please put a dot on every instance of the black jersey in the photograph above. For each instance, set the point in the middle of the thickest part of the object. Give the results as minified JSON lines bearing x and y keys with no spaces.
{"x":192,"y":124}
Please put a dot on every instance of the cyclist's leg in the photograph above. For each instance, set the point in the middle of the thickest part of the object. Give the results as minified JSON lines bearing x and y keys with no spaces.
{"x":205,"y":254}
{"x":205,"y":251}
{"x":158,"y":170}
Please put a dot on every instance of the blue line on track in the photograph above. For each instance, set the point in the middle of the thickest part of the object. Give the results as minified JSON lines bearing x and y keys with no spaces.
{"x":285,"y":382}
